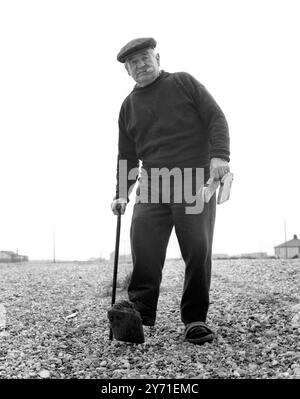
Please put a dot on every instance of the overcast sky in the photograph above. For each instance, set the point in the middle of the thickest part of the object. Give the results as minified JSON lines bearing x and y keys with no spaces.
{"x":61,"y":89}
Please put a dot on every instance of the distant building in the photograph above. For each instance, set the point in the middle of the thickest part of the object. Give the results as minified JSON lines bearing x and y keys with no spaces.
{"x":254,"y":255}
{"x":94,"y":259}
{"x":220,"y":256}
{"x":122,"y":258}
{"x":12,"y":257}
{"x":289,"y":249}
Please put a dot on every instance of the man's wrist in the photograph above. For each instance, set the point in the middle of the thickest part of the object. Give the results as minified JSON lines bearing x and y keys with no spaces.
{"x":223,"y":157}
{"x":120,"y":199}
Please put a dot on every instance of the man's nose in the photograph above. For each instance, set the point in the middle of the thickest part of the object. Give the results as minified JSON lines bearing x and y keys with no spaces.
{"x":140,"y":63}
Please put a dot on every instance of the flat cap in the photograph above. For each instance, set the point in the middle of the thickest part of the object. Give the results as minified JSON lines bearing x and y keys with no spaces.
{"x":134,"y":46}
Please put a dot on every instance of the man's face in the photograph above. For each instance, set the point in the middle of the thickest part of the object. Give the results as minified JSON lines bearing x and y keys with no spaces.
{"x":143,"y":67}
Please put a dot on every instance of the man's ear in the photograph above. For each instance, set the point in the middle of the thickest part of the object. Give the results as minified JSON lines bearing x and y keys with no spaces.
{"x":157,"y":56}
{"x":127,"y":69}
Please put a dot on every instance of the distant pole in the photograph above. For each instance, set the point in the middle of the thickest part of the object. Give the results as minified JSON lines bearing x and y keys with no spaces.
{"x":53,"y":244}
{"x":285,"y":239}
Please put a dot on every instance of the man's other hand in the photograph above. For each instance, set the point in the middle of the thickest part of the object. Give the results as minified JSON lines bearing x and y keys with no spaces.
{"x":218,"y":168}
{"x":118,"y":206}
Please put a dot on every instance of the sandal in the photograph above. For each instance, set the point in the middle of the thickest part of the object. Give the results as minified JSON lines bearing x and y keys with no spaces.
{"x":198,"y":332}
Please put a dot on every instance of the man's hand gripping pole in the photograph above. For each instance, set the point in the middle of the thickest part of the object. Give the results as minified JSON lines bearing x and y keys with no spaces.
{"x":212,"y":185}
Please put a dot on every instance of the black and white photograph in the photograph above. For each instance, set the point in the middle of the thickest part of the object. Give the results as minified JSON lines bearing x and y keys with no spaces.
{"x":149,"y":201}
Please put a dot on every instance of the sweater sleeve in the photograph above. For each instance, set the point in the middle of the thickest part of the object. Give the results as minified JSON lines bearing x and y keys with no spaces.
{"x":210,"y":113}
{"x":126,"y":161}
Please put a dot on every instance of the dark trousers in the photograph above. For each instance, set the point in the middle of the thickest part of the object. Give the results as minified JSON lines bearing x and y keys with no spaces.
{"x":151,"y":228}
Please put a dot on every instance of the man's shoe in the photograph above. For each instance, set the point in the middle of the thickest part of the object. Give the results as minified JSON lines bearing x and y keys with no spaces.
{"x":147,"y":314}
{"x":198,"y":333}
{"x":126,"y":323}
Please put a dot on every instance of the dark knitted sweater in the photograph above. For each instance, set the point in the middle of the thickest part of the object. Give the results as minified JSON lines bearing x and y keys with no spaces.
{"x":173,"y":122}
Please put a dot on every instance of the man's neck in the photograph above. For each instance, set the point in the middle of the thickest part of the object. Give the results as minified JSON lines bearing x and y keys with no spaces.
{"x":149,"y":83}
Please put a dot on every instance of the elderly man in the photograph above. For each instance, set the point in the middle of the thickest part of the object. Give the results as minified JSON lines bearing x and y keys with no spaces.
{"x":169,"y":120}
